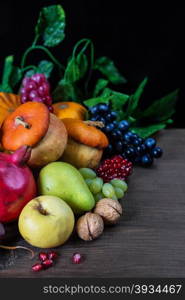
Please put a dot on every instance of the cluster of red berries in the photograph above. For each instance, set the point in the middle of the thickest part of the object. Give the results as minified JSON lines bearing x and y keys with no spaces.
{"x":46,"y":261}
{"x":36,"y":88}
{"x":114,"y":168}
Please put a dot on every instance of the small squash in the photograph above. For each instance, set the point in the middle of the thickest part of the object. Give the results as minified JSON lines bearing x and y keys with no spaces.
{"x":69,"y":110}
{"x":31,"y":124}
{"x":8,"y":103}
{"x":85,"y":143}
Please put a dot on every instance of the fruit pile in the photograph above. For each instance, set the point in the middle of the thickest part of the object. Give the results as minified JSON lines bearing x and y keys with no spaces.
{"x":65,"y":159}
{"x":123,"y":141}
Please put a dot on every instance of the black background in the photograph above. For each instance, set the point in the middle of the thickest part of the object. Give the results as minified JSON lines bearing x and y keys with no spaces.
{"x":143,"y":40}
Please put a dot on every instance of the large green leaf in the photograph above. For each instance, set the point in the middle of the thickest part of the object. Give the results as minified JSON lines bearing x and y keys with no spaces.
{"x":65,"y":91}
{"x":7,"y":71}
{"x":134,"y":99}
{"x":161,"y":109}
{"x":107,"y":67}
{"x":15,"y":76}
{"x":145,"y":132}
{"x":45,"y":67}
{"x":51,"y":25}
{"x":100,"y":85}
{"x":118,"y":100}
{"x":93,"y":101}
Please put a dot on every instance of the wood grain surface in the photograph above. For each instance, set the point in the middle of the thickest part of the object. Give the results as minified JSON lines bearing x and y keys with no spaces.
{"x":149,"y":241}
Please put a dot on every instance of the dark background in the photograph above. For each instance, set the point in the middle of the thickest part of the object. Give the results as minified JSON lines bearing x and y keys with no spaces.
{"x":141,"y":39}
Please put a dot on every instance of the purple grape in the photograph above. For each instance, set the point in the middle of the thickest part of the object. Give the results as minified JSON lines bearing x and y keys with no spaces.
{"x":36,"y":88}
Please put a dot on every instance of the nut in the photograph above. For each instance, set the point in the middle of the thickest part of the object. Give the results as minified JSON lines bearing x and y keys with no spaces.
{"x":89,"y":226}
{"x":110,"y":210}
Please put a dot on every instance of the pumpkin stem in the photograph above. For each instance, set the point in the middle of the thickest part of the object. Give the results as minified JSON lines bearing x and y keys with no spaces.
{"x":95,"y":123}
{"x":20,"y":121}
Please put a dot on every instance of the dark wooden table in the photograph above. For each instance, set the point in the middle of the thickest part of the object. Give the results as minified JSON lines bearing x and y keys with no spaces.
{"x":150,"y":238}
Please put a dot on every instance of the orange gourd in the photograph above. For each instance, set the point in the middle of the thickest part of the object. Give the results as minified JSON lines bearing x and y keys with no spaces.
{"x":8,"y":103}
{"x":85,"y":133}
{"x":70,"y":110}
{"x":25,"y":126}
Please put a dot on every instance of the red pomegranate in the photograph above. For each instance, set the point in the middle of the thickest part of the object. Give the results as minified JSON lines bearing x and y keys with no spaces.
{"x":17,"y":184}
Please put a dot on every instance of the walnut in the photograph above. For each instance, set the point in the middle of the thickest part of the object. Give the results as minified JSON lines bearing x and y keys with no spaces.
{"x":89,"y":226}
{"x":110,"y":210}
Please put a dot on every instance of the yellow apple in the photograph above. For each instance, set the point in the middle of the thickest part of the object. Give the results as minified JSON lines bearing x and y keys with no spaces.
{"x":46,"y":222}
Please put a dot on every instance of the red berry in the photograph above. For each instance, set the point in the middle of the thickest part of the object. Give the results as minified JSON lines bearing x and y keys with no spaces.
{"x":77,"y":258}
{"x":116,"y":167}
{"x":37,"y":267}
{"x":52,"y":255}
{"x":43,"y":256}
{"x":47,"y":263}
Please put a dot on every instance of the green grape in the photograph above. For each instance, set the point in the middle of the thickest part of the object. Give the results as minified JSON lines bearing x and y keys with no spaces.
{"x":96,"y":185}
{"x":119,"y":193}
{"x":118,"y":183}
{"x":98,"y":197}
{"x":87,"y":173}
{"x":88,"y":181}
{"x":108,"y":190}
{"x":114,"y":197}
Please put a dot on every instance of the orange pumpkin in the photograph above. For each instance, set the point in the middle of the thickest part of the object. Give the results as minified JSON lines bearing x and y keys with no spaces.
{"x":8,"y":103}
{"x":70,"y":110}
{"x":25,"y":126}
{"x":85,"y":144}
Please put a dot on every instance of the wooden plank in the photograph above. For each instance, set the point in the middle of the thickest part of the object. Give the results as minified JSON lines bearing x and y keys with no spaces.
{"x":150,"y":238}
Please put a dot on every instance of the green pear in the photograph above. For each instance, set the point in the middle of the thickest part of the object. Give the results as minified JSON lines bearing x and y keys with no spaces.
{"x":65,"y":181}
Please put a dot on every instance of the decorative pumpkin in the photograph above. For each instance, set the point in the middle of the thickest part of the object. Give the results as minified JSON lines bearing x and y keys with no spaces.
{"x":70,"y":110}
{"x":8,"y":103}
{"x":85,"y":143}
{"x":31,"y":124}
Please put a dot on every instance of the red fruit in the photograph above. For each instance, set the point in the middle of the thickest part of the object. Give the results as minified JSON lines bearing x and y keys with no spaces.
{"x":116,"y":167}
{"x":17,"y":184}
{"x":37,"y":267}
{"x":77,"y":258}
{"x":43,"y":256}
{"x":47,"y":263}
{"x":52,"y":255}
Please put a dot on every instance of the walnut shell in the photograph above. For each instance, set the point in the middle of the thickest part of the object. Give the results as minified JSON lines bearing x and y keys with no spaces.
{"x":89,"y":226}
{"x":110,"y":210}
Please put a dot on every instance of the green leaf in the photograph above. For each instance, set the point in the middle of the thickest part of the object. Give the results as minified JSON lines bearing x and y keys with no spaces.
{"x":145,"y":132}
{"x":134,"y":99}
{"x":100,"y":85}
{"x":8,"y":67}
{"x":72,"y":72}
{"x":65,"y":91}
{"x":82,"y":63}
{"x":118,"y":100}
{"x":51,"y":25}
{"x":161,"y":109}
{"x":45,"y":67}
{"x":93,"y":101}
{"x":15,"y":76}
{"x":107,"y":67}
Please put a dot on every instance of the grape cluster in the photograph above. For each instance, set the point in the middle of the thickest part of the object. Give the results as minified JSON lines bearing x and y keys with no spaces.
{"x":114,"y":189}
{"x":36,"y":88}
{"x":123,"y":141}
